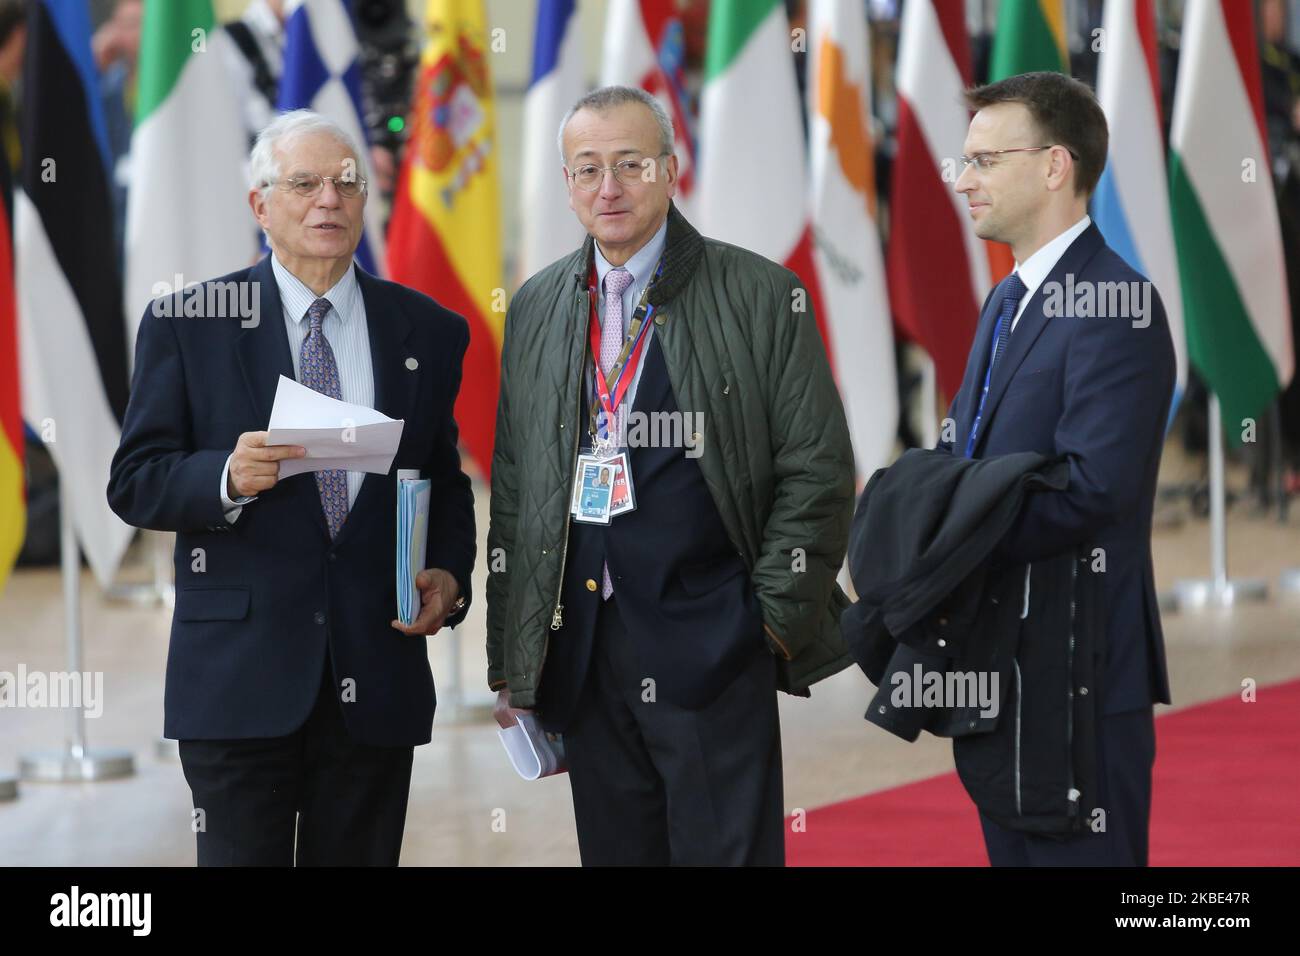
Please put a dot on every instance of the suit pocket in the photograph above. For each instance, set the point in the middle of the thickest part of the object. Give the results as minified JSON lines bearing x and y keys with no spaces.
{"x":212,"y":604}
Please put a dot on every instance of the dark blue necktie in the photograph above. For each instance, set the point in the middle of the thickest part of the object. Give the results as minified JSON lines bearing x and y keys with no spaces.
{"x":1013,"y":290}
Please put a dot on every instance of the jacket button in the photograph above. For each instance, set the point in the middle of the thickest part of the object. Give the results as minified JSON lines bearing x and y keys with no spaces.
{"x":882,"y":708}
{"x":320,"y":617}
{"x":591,"y":584}
{"x":659,"y":320}
{"x":942,"y":642}
{"x":1083,"y":692}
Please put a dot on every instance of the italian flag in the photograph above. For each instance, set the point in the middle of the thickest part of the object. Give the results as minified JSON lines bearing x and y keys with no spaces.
{"x":1225,"y":217}
{"x":753,"y":172}
{"x":187,"y":211}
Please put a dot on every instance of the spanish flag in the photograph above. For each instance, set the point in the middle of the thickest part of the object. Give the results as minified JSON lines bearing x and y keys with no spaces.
{"x":445,"y":234}
{"x":13,"y":496}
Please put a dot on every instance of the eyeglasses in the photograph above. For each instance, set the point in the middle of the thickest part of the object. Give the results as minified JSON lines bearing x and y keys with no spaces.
{"x":986,"y":160}
{"x":307,"y":186}
{"x":629,"y":172}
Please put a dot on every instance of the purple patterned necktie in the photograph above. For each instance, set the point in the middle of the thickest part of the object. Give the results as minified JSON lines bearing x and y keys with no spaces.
{"x":318,"y":371}
{"x":612,"y":333}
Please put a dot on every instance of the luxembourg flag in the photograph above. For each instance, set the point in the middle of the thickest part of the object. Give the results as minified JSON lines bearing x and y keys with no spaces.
{"x":645,"y":46}
{"x":549,"y":227}
{"x":322,"y":72}
{"x":1131,"y":203}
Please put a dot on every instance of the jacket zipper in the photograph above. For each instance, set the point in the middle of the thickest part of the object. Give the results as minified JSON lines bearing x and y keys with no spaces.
{"x":557,"y":615}
{"x":1072,"y":795}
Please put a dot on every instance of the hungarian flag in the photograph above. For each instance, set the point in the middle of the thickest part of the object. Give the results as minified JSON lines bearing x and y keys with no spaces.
{"x":71,"y":331}
{"x":753,"y":174}
{"x":189,"y":217}
{"x":549,"y":227}
{"x":1225,"y":215}
{"x":445,"y":234}
{"x":938,"y":269}
{"x":13,"y":494}
{"x":645,"y":46}
{"x":1030,"y":36}
{"x":1131,"y":203}
{"x":850,"y":270}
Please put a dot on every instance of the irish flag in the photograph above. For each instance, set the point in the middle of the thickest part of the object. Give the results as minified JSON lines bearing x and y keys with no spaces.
{"x":1225,"y":215}
{"x":1131,"y":204}
{"x":444,"y":237}
{"x":850,"y":269}
{"x":752,"y":183}
{"x":187,"y":213}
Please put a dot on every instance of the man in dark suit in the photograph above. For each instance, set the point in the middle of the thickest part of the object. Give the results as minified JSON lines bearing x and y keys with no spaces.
{"x":1072,"y":357}
{"x":296,"y":697}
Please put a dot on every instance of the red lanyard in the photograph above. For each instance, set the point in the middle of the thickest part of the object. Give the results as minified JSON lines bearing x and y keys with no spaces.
{"x":629,"y":358}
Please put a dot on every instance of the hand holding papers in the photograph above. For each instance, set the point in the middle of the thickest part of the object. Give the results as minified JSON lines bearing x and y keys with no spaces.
{"x":533,"y":752}
{"x":337,"y":435}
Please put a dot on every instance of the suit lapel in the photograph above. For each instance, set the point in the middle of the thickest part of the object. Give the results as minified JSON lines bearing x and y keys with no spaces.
{"x":264,"y":348}
{"x":1031,"y":325}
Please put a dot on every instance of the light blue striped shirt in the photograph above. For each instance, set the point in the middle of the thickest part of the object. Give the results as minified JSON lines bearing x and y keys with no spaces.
{"x":349,"y":337}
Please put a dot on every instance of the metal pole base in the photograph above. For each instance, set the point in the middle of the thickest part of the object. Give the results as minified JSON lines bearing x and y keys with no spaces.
{"x":1205,"y":593}
{"x":8,"y":788}
{"x":1289,"y":582}
{"x":165,"y":749}
{"x":75,"y":766}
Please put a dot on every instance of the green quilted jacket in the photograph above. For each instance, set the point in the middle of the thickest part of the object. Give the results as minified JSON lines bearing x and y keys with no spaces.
{"x":741,"y":345}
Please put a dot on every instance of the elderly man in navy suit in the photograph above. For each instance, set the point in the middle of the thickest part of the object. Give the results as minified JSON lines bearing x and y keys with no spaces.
{"x":1056,"y":369}
{"x":296,"y":697}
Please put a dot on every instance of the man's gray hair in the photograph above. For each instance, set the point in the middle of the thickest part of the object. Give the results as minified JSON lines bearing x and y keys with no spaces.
{"x":263,"y":169}
{"x":608,"y":97}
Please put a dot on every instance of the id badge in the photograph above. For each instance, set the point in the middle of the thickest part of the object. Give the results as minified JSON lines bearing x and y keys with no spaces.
{"x":594,"y":484}
{"x":591,"y":473}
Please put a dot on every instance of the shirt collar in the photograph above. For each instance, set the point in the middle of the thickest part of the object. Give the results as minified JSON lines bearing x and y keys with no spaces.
{"x":342,"y":295}
{"x":642,"y":261}
{"x":1036,"y":268}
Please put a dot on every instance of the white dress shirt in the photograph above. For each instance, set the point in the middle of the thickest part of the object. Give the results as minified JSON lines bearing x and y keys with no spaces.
{"x":1037,"y":267}
{"x":346,"y":329}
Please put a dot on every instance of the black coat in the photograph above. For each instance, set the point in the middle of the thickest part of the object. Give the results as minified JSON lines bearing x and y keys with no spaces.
{"x":933,"y":595}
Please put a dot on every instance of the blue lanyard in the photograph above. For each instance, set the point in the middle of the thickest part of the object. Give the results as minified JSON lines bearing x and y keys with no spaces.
{"x":988,"y":378}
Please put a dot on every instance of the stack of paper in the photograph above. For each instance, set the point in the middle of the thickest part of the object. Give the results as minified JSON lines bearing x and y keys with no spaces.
{"x":337,"y":435}
{"x":412,"y":536}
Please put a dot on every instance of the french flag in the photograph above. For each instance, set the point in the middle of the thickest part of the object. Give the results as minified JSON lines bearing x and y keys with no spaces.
{"x":550,"y":229}
{"x":1131,"y":202}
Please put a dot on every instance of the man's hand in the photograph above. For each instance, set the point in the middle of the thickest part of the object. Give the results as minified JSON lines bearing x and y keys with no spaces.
{"x":505,"y":714}
{"x":438,"y":592}
{"x":255,"y":465}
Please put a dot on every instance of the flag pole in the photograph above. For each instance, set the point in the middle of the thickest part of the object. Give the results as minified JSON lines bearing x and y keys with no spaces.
{"x":76,"y":762}
{"x":929,"y":403}
{"x":1219,"y":590}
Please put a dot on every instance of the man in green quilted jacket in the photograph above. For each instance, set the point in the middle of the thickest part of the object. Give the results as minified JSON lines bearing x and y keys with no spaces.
{"x":672,"y":487}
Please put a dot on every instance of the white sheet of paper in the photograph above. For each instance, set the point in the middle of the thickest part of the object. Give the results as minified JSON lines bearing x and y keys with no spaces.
{"x":336,"y":434}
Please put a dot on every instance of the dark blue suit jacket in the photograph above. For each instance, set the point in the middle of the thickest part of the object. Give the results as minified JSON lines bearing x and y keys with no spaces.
{"x":1095,"y":391}
{"x":683,"y":592}
{"x":251,"y":628}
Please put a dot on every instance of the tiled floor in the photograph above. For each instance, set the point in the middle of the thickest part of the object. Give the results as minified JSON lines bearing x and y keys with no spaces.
{"x":467,"y":807}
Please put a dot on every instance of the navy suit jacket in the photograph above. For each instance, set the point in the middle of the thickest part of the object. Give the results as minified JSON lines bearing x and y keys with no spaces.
{"x":1095,"y":391}
{"x":259,"y":601}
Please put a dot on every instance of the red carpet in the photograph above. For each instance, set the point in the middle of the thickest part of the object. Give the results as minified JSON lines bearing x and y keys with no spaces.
{"x":1226,"y":793}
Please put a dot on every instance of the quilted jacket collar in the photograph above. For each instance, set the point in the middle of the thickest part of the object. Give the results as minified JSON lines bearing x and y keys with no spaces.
{"x":683,"y":250}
